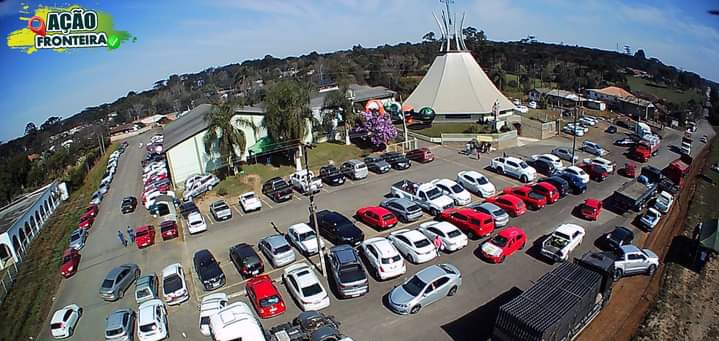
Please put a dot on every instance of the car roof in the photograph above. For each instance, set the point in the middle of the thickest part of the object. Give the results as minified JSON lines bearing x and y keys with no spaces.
{"x":143,"y":228}
{"x":412,"y":235}
{"x":383,"y":246}
{"x":510,"y":232}
{"x":204,"y":253}
{"x":194,"y":215}
{"x":430,"y":273}
{"x":300,"y":228}
{"x":171,"y":269}
{"x":275,"y":240}
{"x":545,"y":185}
{"x":510,"y":197}
{"x":58,"y":315}
{"x":550,"y":156}
{"x":443,"y":226}
{"x":513,"y":159}
{"x":262,"y":286}
{"x":569,"y":229}
{"x":629,"y":248}
{"x":404,"y":202}
{"x":244,"y":250}
{"x":146,"y":310}
{"x":472,"y":173}
{"x":114,"y":320}
{"x":489,"y":206}
{"x":247,"y":194}
{"x":446,"y":182}
{"x":303,"y":274}
{"x":593,"y":202}
{"x":219,"y":202}
{"x":344,"y":253}
{"x":622,"y":231}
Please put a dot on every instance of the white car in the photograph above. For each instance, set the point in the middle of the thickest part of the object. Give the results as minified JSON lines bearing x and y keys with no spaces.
{"x":383,"y":257}
{"x":532,"y":104}
{"x":303,"y":284}
{"x":513,"y":167}
{"x":452,"y":189}
{"x":413,"y":245}
{"x":664,"y":202}
{"x":250,"y":202}
{"x":236,"y":322}
{"x":650,"y":219}
{"x":562,"y":242}
{"x":565,"y":154}
{"x":452,"y":238}
{"x":63,"y":321}
{"x":573,"y":130}
{"x":203,"y":184}
{"x":521,"y":108}
{"x":588,"y":121}
{"x":602,"y":162}
{"x":152,"y":321}
{"x":196,"y":223}
{"x":553,"y":159}
{"x":210,"y":305}
{"x":304,"y":238}
{"x":576,"y":171}
{"x":477,"y":183}
{"x":174,"y":287}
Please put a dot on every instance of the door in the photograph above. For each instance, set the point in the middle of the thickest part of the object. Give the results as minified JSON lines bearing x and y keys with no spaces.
{"x":436,"y":290}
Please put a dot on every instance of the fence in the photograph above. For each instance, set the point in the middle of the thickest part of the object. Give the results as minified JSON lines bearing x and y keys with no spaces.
{"x":7,"y":278}
{"x":404,"y":146}
{"x":499,"y":141}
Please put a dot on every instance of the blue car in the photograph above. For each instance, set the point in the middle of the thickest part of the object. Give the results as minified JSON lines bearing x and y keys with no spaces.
{"x":575,"y":183}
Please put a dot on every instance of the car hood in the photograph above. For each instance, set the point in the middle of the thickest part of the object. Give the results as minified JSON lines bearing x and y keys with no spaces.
{"x":350,"y":232}
{"x":399,"y":295}
{"x":491,"y":249}
{"x":650,"y":254}
{"x":252,"y":202}
{"x":443,"y":201}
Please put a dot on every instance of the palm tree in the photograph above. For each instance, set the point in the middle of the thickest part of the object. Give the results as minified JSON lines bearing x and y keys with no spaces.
{"x":221,"y":131}
{"x":287,"y":108}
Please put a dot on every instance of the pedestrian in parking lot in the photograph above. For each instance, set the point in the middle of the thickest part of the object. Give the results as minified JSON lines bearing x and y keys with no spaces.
{"x":437,"y":243}
{"x":122,"y":238}
{"x":131,"y":234}
{"x":478,"y":153}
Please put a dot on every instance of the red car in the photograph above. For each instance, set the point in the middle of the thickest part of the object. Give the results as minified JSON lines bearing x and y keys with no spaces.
{"x":377,"y":217}
{"x":504,"y":244}
{"x":596,"y":172}
{"x":168,"y":229}
{"x":91,"y":210}
{"x":510,"y":203}
{"x":264,"y":296}
{"x":70,"y":262}
{"x":590,"y":209}
{"x":533,"y":199}
{"x":547,"y":190}
{"x":86,"y":221}
{"x":422,"y":155}
{"x":473,"y":223}
{"x":144,"y":236}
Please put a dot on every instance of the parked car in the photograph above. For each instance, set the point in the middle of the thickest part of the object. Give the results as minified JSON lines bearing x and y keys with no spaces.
{"x":547,"y":190}
{"x":152,"y":321}
{"x":422,"y":155}
{"x":128,"y":205}
{"x":533,"y":199}
{"x":510,"y":203}
{"x":619,"y":237}
{"x":211,"y":305}
{"x":397,"y":160}
{"x":476,"y":183}
{"x":383,"y":258}
{"x":354,"y":169}
{"x":562,"y":242}
{"x":64,"y":321}
{"x":504,"y":244}
{"x":632,"y":260}
{"x":78,"y":238}
{"x":413,"y":245}
{"x":174,"y":287}
{"x":277,"y":189}
{"x":576,"y":183}
{"x":625,"y":142}
{"x":608,"y":165}
{"x":220,"y":210}
{"x":188,"y":207}
{"x":120,"y":325}
{"x":247,"y":262}
{"x":565,"y":154}
{"x":144,"y":236}
{"x":475,"y":224}
{"x":264,"y":296}
{"x":452,"y":189}
{"x":196,"y":223}
{"x":425,"y":287}
{"x":86,"y":222}
{"x":499,"y":215}
{"x":590,"y":209}
{"x":236,"y":322}
{"x":426,"y":195}
{"x":199,"y":187}
{"x":560,"y":184}
{"x":650,"y":219}
{"x":331,"y":175}
{"x":303,"y":284}
{"x":117,"y":281}
{"x":611,"y":129}
{"x":554,"y":160}
{"x":277,"y":250}
{"x":377,"y":164}
{"x":304,"y":238}
{"x":377,"y":217}
{"x":593,"y":148}
{"x":347,"y":272}
{"x":595,"y":172}
{"x":70,"y":263}
{"x":404,"y":209}
{"x":168,"y":229}
{"x":337,"y":228}
{"x":513,"y":167}
{"x":208,"y":270}
{"x":305,"y":181}
{"x":452,"y":237}
{"x":146,"y":288}
{"x":250,"y":202}
{"x":664,"y":202}
{"x":543,"y":167}
{"x":577,"y":172}
{"x":96,"y":198}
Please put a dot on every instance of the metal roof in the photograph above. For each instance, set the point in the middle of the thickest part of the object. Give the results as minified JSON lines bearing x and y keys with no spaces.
{"x":10,"y":214}
{"x":187,"y":126}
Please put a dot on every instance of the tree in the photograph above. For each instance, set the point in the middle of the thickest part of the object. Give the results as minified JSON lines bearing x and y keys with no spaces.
{"x":338,"y":101}
{"x":429,"y":37}
{"x":224,"y":135}
{"x":377,"y":127}
{"x":287,"y":107}
{"x":51,"y":121}
{"x":640,"y":54}
{"x":473,"y":35}
{"x":30,"y":128}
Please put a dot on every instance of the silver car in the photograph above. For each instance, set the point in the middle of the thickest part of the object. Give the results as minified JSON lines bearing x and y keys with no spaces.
{"x":424,"y":288}
{"x":500,"y":216}
{"x":78,"y":238}
{"x":277,"y":250}
{"x":220,"y":210}
{"x":118,"y":280}
{"x":146,"y":288}
{"x":405,"y":210}
{"x":120,"y":325}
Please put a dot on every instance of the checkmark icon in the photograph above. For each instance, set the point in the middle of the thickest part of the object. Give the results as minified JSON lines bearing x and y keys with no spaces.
{"x":113,"y":42}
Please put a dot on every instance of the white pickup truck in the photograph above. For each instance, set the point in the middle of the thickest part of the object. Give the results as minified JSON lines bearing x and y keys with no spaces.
{"x":562,"y":242}
{"x":513,"y":167}
{"x":426,"y":195}
{"x":631,"y":260}
{"x":298,"y":180}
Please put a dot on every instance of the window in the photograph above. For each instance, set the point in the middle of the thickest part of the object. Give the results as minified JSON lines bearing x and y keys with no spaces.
{"x":459,"y":217}
{"x":512,"y":164}
{"x":440,"y":282}
{"x":67,"y":315}
{"x":435,"y":231}
{"x":371,"y":250}
{"x":293,"y":282}
{"x":403,"y":239}
{"x":634,"y":256}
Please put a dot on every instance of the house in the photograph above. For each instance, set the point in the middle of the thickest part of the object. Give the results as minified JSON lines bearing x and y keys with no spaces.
{"x":636,"y":107}
{"x":358,"y":94}
{"x":555,"y":97}
{"x":536,"y":94}
{"x":595,"y":104}
{"x":610,"y":94}
{"x":122,"y":129}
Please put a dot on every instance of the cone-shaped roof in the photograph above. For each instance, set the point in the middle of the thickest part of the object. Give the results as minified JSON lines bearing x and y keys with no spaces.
{"x":456,"y":84}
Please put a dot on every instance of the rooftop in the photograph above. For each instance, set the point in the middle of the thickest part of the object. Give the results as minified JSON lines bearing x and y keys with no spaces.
{"x":358,"y":93}
{"x":637,"y":101}
{"x":614,"y":91}
{"x":186,"y":126}
{"x":16,"y":209}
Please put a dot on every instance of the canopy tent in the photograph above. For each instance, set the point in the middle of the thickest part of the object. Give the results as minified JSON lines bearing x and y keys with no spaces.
{"x":263,"y":145}
{"x":708,"y":234}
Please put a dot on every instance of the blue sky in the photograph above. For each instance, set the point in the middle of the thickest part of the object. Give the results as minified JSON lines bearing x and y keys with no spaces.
{"x":176,"y":37}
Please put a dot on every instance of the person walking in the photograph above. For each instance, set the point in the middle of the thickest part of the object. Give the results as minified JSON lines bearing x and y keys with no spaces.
{"x":437,"y":244}
{"x":122,"y":238}
{"x":131,"y":234}
{"x":478,"y":153}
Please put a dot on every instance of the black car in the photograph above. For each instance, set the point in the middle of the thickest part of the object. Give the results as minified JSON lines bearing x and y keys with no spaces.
{"x":620,"y":236}
{"x":559,"y":183}
{"x":611,"y":129}
{"x":246,"y":260}
{"x":331,"y":175}
{"x":277,"y":189}
{"x":208,"y":270}
{"x":337,"y":228}
{"x":397,"y":160}
{"x":188,"y":207}
{"x":377,"y":164}
{"x":348,"y":274}
{"x":128,"y":205}
{"x":543,"y":166}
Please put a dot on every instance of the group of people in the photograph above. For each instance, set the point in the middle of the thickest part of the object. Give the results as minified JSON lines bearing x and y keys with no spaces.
{"x":474,"y":146}
{"x":130,"y":236}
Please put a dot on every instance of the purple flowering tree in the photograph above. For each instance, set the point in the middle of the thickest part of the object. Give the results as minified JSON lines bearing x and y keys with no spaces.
{"x":378,"y":128}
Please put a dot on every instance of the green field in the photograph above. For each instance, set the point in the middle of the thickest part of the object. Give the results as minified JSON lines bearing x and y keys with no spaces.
{"x":670,"y":94}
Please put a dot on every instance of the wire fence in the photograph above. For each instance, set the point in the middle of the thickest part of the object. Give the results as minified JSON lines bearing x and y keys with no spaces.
{"x":7,"y":278}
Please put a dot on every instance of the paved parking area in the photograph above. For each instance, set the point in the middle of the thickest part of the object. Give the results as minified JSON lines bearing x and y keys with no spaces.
{"x":466,"y":316}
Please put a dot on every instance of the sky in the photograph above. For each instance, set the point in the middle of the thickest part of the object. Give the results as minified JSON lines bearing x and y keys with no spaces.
{"x":176,"y":37}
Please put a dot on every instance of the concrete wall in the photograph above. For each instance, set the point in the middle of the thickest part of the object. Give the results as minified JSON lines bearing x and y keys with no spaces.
{"x":498,"y":141}
{"x":535,"y":129}
{"x":187,"y":158}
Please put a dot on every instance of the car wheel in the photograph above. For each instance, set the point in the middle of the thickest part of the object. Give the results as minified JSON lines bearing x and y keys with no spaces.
{"x":79,"y":312}
{"x":500,"y":171}
{"x":522,"y":246}
{"x":618,"y":273}
{"x":651,"y":270}
{"x":470,"y":235}
{"x":415,"y":309}
{"x":524,"y":179}
{"x":434,"y":212}
{"x":452,"y":291}
{"x":501,"y":259}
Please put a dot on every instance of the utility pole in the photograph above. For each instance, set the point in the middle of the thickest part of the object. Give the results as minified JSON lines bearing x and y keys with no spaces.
{"x":404,"y":122}
{"x":574,"y":135}
{"x":313,"y":212}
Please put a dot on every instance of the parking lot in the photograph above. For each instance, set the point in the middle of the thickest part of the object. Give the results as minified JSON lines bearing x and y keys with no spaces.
{"x":466,"y":316}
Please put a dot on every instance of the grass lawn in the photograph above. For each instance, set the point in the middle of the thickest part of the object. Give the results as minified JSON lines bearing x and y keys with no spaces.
{"x":704,"y":203}
{"x":436,"y":129}
{"x":670,"y":94}
{"x":29,"y":301}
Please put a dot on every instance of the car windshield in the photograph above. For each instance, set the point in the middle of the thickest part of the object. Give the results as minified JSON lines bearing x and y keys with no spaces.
{"x":56,"y":325}
{"x":387,"y":217}
{"x":221,"y":206}
{"x":351,"y":273}
{"x":535,"y":195}
{"x":74,"y":237}
{"x":148,"y":327}
{"x":454,"y":233}
{"x":107,"y":283}
{"x":499,"y":241}
{"x":269,"y":301}
{"x":434,"y":193}
{"x":390,"y":260}
{"x":457,"y":188}
{"x":281,"y":249}
{"x":414,"y":286}
{"x":311,"y":290}
{"x":421,"y":243}
{"x":204,"y":320}
{"x":68,"y":258}
{"x":413,"y":208}
{"x":482,"y":180}
{"x":167,"y":227}
{"x":249,"y":196}
{"x":142,"y":293}
{"x":113,"y":332}
{"x":172,"y":283}
{"x":306,"y":236}
{"x":523,"y":164}
{"x":198,"y":221}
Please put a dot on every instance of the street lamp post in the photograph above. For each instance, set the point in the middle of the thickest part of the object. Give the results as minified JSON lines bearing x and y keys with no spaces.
{"x":313,"y":212}
{"x":574,"y":135}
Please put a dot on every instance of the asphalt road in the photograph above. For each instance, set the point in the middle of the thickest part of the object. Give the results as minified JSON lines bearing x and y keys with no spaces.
{"x":466,"y":316}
